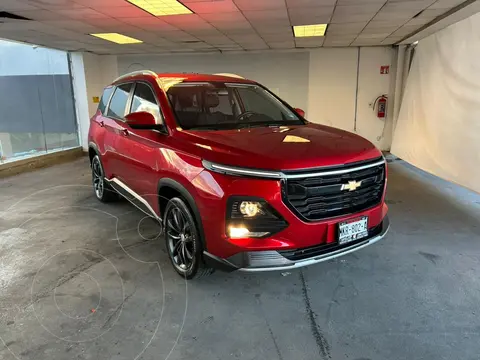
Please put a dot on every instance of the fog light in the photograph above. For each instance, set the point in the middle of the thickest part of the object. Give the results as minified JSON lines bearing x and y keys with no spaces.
{"x":250,"y":208}
{"x":239,"y":232}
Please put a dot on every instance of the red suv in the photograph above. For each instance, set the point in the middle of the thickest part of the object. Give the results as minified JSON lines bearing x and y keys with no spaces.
{"x":237,"y":177}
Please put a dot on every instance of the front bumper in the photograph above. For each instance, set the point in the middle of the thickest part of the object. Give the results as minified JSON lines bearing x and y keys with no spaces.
{"x":270,"y":260}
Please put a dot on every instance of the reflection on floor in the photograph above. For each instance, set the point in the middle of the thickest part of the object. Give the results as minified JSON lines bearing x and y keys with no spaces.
{"x":84,"y":280}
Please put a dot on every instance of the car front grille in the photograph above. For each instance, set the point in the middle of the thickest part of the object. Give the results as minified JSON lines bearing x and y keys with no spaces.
{"x":317,"y":195}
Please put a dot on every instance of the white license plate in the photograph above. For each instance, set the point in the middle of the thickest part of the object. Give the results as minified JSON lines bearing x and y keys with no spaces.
{"x":352,"y":230}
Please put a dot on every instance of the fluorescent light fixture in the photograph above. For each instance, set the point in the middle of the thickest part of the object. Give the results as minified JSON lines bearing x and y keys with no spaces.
{"x":161,"y":7}
{"x":309,"y":30}
{"x":117,"y":38}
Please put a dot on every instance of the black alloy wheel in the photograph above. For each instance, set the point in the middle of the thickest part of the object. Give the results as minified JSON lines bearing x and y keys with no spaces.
{"x":182,"y":240}
{"x":101,"y":188}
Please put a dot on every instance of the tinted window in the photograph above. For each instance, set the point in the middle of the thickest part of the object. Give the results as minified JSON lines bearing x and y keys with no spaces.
{"x":218,"y":105}
{"x":105,"y":97}
{"x":144,"y":100}
{"x":118,"y":103}
{"x":259,"y":102}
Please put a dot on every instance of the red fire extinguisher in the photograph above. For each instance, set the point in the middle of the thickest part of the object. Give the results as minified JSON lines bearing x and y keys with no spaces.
{"x":382,"y":106}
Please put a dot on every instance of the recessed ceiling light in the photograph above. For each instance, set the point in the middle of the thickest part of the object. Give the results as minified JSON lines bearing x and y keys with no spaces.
{"x":161,"y":7}
{"x":117,"y":38}
{"x":309,"y":30}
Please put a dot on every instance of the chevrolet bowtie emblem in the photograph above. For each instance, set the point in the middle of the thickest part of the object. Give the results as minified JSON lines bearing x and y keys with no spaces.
{"x":352,"y":185}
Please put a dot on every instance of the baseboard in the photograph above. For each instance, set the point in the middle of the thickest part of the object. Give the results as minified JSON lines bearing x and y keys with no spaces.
{"x":40,"y":161}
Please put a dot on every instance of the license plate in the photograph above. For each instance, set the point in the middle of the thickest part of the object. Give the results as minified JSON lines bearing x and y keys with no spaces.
{"x":352,"y":230}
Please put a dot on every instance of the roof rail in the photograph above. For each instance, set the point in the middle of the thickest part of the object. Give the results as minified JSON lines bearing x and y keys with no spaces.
{"x":230,"y":75}
{"x":139,"y":72}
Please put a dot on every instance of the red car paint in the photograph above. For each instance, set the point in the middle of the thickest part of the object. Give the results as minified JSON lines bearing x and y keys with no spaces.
{"x":141,"y":158}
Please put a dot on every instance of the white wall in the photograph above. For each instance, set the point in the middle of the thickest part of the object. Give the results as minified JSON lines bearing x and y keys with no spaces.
{"x":323,"y":82}
{"x":333,"y":90}
{"x":438,"y":128}
{"x":285,"y":73}
{"x":90,"y":74}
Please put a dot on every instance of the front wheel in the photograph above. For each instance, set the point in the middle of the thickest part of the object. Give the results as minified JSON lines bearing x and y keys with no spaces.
{"x":183,"y":241}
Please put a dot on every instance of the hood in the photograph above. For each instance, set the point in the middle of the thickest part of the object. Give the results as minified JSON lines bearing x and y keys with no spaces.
{"x":282,"y":148}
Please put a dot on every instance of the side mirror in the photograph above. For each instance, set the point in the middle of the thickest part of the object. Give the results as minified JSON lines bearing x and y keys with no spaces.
{"x":300,"y":112}
{"x":141,"y":120}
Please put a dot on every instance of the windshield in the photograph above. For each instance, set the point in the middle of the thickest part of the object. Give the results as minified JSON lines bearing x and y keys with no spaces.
{"x":218,"y":105}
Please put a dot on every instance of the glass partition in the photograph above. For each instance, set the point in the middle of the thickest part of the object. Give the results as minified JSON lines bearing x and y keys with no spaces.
{"x":37,"y":113}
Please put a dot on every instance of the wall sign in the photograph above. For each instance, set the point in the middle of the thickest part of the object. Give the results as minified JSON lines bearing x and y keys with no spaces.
{"x":96,"y":99}
{"x":384,"y":69}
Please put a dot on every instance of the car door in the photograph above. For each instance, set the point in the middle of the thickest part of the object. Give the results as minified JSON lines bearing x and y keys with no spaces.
{"x":138,"y":163}
{"x":114,"y":126}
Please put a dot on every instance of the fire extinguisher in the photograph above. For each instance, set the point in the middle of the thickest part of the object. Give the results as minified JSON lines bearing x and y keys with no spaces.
{"x":382,"y":106}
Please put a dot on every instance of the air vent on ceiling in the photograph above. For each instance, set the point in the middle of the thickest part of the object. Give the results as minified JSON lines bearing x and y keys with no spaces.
{"x":6,"y":15}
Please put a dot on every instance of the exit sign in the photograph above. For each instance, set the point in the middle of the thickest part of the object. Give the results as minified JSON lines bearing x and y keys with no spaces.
{"x":385,"y":69}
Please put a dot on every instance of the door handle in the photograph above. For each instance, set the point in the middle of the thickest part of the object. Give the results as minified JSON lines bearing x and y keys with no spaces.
{"x":124,"y":132}
{"x":101,"y":123}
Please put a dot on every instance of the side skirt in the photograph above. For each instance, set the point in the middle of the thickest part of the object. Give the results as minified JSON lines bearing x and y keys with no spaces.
{"x":133,"y":197}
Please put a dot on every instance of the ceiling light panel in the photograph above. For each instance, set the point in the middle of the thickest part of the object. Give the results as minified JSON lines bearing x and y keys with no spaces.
{"x":309,"y":30}
{"x":161,"y":7}
{"x":117,"y":38}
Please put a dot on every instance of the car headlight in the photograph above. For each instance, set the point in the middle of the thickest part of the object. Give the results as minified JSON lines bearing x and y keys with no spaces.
{"x":252,"y":218}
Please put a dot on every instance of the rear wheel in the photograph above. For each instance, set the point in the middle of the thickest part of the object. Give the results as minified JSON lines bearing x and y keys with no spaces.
{"x":101,"y":188}
{"x":182,"y":240}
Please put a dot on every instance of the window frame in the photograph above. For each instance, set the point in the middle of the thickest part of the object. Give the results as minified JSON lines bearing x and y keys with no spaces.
{"x":127,"y":104}
{"x":163,"y":129}
{"x":107,"y":103}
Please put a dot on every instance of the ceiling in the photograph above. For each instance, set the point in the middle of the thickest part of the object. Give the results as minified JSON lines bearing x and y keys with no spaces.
{"x":217,"y":25}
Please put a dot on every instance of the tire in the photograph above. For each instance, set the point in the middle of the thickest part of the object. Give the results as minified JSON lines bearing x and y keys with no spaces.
{"x":102,"y":190}
{"x":182,"y":240}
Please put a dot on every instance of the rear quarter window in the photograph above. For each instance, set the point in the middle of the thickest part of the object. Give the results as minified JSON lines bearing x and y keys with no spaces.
{"x":104,"y":100}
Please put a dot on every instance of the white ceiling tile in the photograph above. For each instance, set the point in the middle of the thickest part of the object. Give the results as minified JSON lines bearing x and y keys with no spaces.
{"x":405,"y":30}
{"x":419,"y":21}
{"x":225,"y":17}
{"x":277,"y":37}
{"x":129,"y":11}
{"x":336,"y":43}
{"x":73,"y":25}
{"x":232,"y":27}
{"x":341,"y":37}
{"x":179,"y":36}
{"x":383,"y":31}
{"x":391,"y":40}
{"x":105,"y":23}
{"x":212,"y":7}
{"x":266,"y":14}
{"x":216,"y":40}
{"x":55,"y":4}
{"x":445,"y":4}
{"x":310,"y":3}
{"x":366,"y":42}
{"x":100,"y":3}
{"x":340,"y":19}
{"x":39,"y":15}
{"x":360,"y":2}
{"x":255,"y":46}
{"x":384,"y":15}
{"x":84,"y":13}
{"x":13,"y":5}
{"x":246,"y":5}
{"x":307,"y":16}
{"x":347,"y":28}
{"x":266,"y":29}
{"x":380,"y":37}
{"x":316,"y":41}
{"x":408,"y":5}
{"x":150,"y":23}
{"x":379,"y":24}
{"x":432,"y":13}
{"x":358,"y":9}
{"x":246,"y":38}
{"x":281,"y":44}
{"x":275,"y":23}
